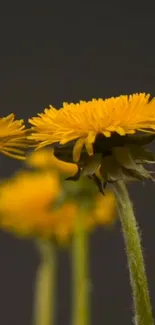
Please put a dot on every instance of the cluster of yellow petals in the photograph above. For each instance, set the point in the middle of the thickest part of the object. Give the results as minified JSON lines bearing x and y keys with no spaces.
{"x":43,"y":126}
{"x":85,"y":120}
{"x":26,"y":199}
{"x":32,"y":196}
{"x":12,"y":137}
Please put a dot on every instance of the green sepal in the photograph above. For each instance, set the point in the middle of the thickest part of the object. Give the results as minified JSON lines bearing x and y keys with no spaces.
{"x":92,"y":165}
{"x":138,"y":174}
{"x":110,"y":169}
{"x":141,"y":154}
{"x":140,"y":140}
{"x":124,"y":158}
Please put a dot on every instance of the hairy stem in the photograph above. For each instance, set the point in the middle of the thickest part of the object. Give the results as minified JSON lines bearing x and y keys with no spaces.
{"x":138,"y":280}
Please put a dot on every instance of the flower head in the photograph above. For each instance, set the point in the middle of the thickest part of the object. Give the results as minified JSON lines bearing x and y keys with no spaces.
{"x":39,"y":206}
{"x":85,"y":120}
{"x":30,"y":196}
{"x":12,"y":137}
{"x":101,"y":133}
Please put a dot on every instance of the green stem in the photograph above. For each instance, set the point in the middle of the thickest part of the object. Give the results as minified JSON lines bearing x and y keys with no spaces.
{"x":142,"y":305}
{"x":45,"y":284}
{"x":80,"y":311}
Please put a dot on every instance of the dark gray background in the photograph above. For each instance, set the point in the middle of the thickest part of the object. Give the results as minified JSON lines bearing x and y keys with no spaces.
{"x":68,"y":52}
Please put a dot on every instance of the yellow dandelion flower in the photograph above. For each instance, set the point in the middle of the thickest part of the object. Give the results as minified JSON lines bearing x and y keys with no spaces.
{"x":30,"y":197}
{"x":45,"y":158}
{"x":12,"y":137}
{"x":36,"y":207}
{"x":102,"y":135}
{"x":102,"y":214}
{"x":85,"y":120}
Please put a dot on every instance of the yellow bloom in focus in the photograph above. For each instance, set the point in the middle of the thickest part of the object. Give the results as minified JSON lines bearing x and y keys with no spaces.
{"x":99,"y":135}
{"x":29,"y":206}
{"x":83,"y":121}
{"x":12,"y":137}
{"x":45,"y":158}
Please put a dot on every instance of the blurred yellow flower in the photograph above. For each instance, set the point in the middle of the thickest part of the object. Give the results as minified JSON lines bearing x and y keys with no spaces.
{"x":102,"y":214}
{"x":45,"y":158}
{"x":31,"y":204}
{"x":26,"y":199}
{"x":12,"y":137}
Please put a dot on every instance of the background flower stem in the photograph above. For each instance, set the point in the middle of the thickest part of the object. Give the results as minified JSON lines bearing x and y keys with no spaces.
{"x":80,"y":302}
{"x":142,"y":305}
{"x":44,"y":296}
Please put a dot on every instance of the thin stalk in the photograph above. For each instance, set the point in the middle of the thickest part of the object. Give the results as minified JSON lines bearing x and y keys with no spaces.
{"x":44,"y":297}
{"x":80,"y":304}
{"x":138,"y":280}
